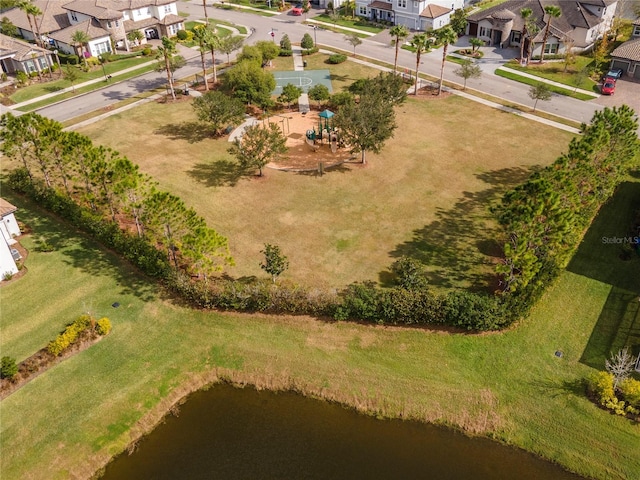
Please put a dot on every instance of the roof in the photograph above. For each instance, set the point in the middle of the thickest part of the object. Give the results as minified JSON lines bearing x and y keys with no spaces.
{"x":629,"y":50}
{"x":434,"y":11}
{"x":6,"y":208}
{"x":381,"y":5}
{"x":170,"y":19}
{"x":93,"y":9}
{"x":19,"y":50}
{"x":574,"y":14}
{"x":54,"y":16}
{"x":91,"y":27}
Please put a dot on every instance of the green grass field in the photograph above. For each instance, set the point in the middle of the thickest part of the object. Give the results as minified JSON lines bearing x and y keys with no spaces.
{"x":553,"y":88}
{"x":426,"y":195}
{"x":554,"y":70}
{"x":510,"y":386}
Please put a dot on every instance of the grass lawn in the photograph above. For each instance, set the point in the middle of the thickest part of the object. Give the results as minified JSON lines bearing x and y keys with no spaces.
{"x":37,"y":90}
{"x":554,"y":70}
{"x":67,"y":422}
{"x":355,"y":23}
{"x":530,"y":81}
{"x":426,"y":195}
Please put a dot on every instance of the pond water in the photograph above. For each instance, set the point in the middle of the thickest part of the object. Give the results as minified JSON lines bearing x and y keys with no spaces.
{"x":231,"y":433}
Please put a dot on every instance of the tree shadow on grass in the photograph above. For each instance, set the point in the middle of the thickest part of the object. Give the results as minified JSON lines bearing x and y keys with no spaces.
{"x":218,"y":173}
{"x":460,"y":248}
{"x":192,"y":132}
{"x":79,"y":251}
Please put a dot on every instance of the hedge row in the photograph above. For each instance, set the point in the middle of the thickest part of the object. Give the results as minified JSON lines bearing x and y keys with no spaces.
{"x":71,"y":333}
{"x":359,"y":301}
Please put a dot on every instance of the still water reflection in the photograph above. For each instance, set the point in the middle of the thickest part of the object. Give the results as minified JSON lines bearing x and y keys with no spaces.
{"x":229,"y":433}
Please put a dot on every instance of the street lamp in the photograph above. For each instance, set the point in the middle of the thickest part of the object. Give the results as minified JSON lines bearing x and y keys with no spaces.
{"x":315,"y":36}
{"x":55,"y":53}
{"x":104,"y":72}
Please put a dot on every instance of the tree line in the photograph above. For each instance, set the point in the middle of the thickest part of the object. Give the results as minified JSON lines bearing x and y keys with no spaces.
{"x":110,"y":188}
{"x":545,"y":218}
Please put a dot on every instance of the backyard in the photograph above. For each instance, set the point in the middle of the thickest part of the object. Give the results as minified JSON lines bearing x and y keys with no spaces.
{"x":426,"y":195}
{"x":510,"y":386}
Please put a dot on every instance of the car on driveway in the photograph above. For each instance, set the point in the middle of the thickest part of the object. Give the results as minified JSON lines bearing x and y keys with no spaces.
{"x":614,"y":73}
{"x":608,"y":86}
{"x":297,"y":10}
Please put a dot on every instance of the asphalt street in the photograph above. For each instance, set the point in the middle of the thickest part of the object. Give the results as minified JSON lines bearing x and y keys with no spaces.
{"x":262,"y":27}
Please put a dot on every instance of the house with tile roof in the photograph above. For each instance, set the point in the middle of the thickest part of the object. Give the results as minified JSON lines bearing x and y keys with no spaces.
{"x":20,"y":56}
{"x":106,"y":22}
{"x":9,"y":229}
{"x":420,"y":15}
{"x":627,"y":55}
{"x":582,"y":22}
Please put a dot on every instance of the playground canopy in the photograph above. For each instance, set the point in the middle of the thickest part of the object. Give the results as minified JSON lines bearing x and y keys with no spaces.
{"x":326,"y":114}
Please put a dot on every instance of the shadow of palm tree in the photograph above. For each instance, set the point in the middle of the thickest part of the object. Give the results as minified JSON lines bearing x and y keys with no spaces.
{"x":460,"y":248}
{"x":218,"y":173}
{"x":192,"y":132}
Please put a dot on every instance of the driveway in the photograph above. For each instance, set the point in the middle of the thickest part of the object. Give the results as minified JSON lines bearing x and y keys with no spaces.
{"x":627,"y":93}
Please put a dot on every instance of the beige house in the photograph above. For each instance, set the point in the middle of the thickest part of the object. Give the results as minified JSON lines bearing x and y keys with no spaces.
{"x":19,"y":56}
{"x":582,"y":22}
{"x":627,"y":56}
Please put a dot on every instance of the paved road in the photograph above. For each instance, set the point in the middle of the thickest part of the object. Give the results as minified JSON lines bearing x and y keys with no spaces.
{"x":262,"y":26}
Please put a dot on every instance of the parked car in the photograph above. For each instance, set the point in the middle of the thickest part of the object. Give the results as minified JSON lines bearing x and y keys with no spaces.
{"x":614,"y":73}
{"x":608,"y":86}
{"x":297,"y":11}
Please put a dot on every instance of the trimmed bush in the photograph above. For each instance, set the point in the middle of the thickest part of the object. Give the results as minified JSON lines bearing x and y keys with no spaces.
{"x":68,"y":337}
{"x":68,"y":59}
{"x":630,"y":389}
{"x":336,"y":58}
{"x":600,"y":386}
{"x":8,"y":367}
{"x":103,"y":326}
{"x":182,"y":35}
{"x":285,"y":53}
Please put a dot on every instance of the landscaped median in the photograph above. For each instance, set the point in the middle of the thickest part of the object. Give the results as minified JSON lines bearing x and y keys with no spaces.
{"x":555,"y":88}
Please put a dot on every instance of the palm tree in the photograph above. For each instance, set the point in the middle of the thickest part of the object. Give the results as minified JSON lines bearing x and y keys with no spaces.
{"x":212,"y":41}
{"x":398,"y":32}
{"x":475,"y":43}
{"x":204,"y":6}
{"x":525,"y":14}
{"x":554,"y":12}
{"x":200,"y":33}
{"x":446,"y":36}
{"x":421,"y":43}
{"x":165,"y":52}
{"x":80,"y":39}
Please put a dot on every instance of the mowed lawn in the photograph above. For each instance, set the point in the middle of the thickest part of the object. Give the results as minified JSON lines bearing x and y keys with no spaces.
{"x":425,"y":195}
{"x":510,"y":386}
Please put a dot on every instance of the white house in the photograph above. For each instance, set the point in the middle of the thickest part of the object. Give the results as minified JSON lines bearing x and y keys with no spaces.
{"x":582,"y":22}
{"x":414,"y":14}
{"x":9,"y":229}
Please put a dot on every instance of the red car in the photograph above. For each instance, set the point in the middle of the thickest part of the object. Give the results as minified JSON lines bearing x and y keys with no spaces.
{"x":609,"y":86}
{"x":297,"y":11}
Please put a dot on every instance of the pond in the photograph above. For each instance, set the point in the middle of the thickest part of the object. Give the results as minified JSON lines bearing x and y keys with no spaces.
{"x":232,"y":433}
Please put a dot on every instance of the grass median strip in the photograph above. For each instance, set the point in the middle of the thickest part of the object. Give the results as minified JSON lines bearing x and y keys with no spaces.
{"x":533,"y":82}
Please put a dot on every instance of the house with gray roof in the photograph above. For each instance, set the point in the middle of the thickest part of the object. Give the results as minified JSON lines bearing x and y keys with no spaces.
{"x":420,"y":15}
{"x":20,"y":56}
{"x":627,"y":55}
{"x":582,"y":22}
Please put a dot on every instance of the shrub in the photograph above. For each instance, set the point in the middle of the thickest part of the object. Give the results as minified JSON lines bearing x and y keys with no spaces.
{"x":409,"y":273}
{"x":285,"y":53}
{"x":6,"y":276}
{"x":336,"y":58}
{"x":339,"y":99}
{"x":70,"y":334}
{"x":474,"y":311}
{"x":146,"y":51}
{"x":21,"y":78}
{"x":68,"y":59}
{"x":8,"y":367}
{"x":310,"y":51}
{"x":630,"y":389}
{"x":103,"y":326}
{"x":182,"y":35}
{"x":600,"y":386}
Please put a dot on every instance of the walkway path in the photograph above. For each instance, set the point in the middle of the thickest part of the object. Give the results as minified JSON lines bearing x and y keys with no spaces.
{"x":298,"y":66}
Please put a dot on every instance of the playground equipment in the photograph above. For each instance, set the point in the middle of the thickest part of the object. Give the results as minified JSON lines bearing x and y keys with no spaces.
{"x":325,"y":130}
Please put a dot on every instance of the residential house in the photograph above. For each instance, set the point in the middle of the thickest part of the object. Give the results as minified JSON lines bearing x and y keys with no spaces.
{"x":8,"y":230}
{"x":106,"y":22}
{"x":582,"y":22}
{"x":627,"y":57}
{"x":20,"y":56}
{"x":414,"y":14}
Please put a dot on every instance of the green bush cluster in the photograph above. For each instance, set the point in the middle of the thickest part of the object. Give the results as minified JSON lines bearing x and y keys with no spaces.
{"x":68,"y":59}
{"x":8,"y":367}
{"x":182,"y":35}
{"x":600,"y":386}
{"x":336,"y":58}
{"x":69,"y":335}
{"x":310,"y":51}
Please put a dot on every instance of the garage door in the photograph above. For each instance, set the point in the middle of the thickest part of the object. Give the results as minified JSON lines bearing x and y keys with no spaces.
{"x":623,"y":64}
{"x":637,"y":72}
{"x":406,"y":21}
